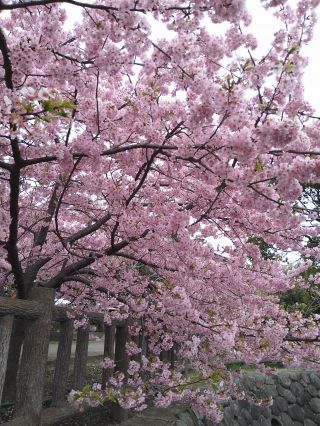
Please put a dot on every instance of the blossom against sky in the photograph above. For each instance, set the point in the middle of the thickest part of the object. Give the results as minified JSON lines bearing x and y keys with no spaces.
{"x":263,"y":26}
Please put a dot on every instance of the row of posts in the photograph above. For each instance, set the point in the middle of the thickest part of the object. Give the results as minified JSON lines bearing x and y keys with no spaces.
{"x":34,"y":356}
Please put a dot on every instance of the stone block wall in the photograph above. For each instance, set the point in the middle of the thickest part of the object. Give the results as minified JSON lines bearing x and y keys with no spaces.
{"x":296,"y":400}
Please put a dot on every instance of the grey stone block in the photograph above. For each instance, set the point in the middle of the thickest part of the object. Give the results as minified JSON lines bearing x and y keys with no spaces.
{"x":296,"y":388}
{"x":242,"y":421}
{"x":310,"y":414}
{"x":281,"y":403}
{"x":265,"y":411}
{"x":295,"y":375}
{"x":243,"y":403}
{"x":304,"y":398}
{"x":296,"y":412}
{"x":315,"y":380}
{"x":312,"y":390}
{"x":285,"y":419}
{"x":245,"y":414}
{"x":262,"y":421}
{"x":185,"y":420}
{"x":247,"y":382}
{"x":315,"y":404}
{"x":260,"y":380}
{"x":284,"y":379}
{"x":275,"y":409}
{"x":228,"y":418}
{"x":255,"y":412}
{"x":269,"y":380}
{"x":309,"y":422}
{"x":272,"y":390}
{"x":305,"y":378}
{"x":263,"y":393}
{"x":287,"y":394}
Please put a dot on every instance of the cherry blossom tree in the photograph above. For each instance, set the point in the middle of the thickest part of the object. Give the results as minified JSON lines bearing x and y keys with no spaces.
{"x":124,"y":157}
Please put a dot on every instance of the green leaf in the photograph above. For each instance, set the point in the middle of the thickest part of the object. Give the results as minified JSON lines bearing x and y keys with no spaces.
{"x":86,"y":389}
{"x":258,"y":166}
{"x":46,"y":119}
{"x":111,"y":397}
{"x":65,"y":103}
{"x":293,"y":49}
{"x":215,"y":376}
{"x":289,"y":67}
{"x":28,"y":107}
{"x":264,"y":344}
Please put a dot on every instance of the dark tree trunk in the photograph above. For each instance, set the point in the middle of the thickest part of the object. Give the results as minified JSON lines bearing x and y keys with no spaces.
{"x":10,"y":384}
{"x":6,"y":323}
{"x":34,"y":360}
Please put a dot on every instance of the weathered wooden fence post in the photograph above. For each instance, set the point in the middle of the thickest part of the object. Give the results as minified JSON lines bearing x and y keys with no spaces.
{"x":121,"y":357}
{"x":6,"y":323}
{"x":109,"y":341}
{"x":80,"y":358}
{"x":61,"y":371}
{"x":122,"y":363}
{"x":172,"y":357}
{"x":34,"y":360}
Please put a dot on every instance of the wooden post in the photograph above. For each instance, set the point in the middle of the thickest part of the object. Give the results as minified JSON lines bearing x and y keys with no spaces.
{"x":80,"y":358}
{"x":136,"y":340}
{"x":164,"y":355}
{"x":140,"y":341}
{"x":61,"y":371}
{"x":121,"y":357}
{"x":122,"y":363}
{"x":172,"y":357}
{"x":6,"y":323}
{"x":109,"y":339}
{"x":34,"y":360}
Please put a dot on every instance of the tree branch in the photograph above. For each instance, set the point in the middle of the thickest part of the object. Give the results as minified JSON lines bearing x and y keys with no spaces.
{"x":59,"y":279}
{"x":111,"y":151}
{"x":88,"y":229}
{"x":11,"y":245}
{"x":6,"y":59}
{"x":40,"y":237}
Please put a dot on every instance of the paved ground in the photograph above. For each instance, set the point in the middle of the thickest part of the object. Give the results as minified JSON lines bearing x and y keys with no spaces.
{"x":95,"y":349}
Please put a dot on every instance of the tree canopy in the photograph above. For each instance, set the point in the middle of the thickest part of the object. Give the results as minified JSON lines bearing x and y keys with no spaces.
{"x":124,"y":157}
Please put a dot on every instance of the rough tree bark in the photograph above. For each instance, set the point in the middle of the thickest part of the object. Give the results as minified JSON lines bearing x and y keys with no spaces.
{"x":34,"y":360}
{"x":10,"y":383}
{"x":6,"y":323}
